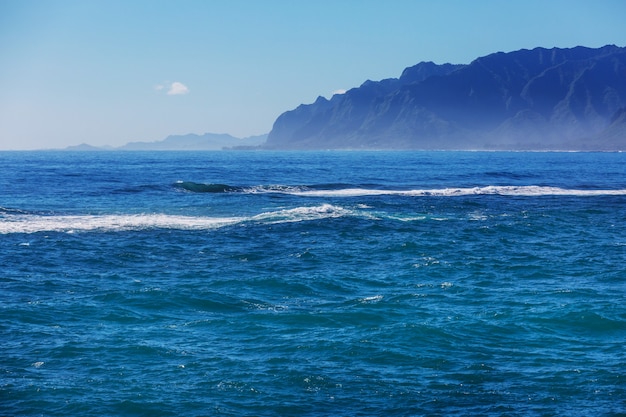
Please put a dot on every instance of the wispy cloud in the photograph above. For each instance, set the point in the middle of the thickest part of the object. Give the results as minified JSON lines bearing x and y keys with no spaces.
{"x":340,"y":91}
{"x":177,"y":88}
{"x":172,"y":89}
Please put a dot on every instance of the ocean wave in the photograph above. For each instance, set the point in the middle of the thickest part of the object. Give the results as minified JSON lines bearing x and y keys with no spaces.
{"x":298,"y":214}
{"x":524,"y":191}
{"x":31,"y":223}
{"x":349,"y":190}
{"x":11,"y":211}
{"x":216,"y":188}
{"x":196,"y":187}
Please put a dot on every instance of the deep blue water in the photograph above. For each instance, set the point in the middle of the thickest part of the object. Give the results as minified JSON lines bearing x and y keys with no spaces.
{"x":312,"y":284}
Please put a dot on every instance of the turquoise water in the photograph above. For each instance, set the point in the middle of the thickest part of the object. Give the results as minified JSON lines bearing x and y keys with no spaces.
{"x":313,"y":284}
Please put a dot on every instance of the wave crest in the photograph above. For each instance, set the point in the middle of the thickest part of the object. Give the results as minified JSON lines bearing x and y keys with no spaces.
{"x":349,"y":190}
{"x":196,"y":187}
{"x":522,"y":191}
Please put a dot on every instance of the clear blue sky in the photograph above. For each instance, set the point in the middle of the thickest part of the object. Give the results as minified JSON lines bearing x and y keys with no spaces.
{"x":111,"y":71}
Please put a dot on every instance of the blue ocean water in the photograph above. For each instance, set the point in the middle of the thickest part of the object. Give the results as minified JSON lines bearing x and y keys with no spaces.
{"x":312,"y":284}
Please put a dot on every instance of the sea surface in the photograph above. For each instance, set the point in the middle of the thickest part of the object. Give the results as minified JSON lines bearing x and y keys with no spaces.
{"x":312,"y":284}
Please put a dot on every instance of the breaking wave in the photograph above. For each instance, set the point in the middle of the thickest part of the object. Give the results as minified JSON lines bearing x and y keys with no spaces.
{"x":196,"y":187}
{"x":528,"y":191}
{"x":348,"y":190}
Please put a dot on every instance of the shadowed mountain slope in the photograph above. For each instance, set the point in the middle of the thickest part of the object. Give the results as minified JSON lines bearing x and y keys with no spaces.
{"x":529,"y":99}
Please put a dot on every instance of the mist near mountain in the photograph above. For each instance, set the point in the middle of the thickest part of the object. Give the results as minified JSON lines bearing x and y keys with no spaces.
{"x":539,"y":99}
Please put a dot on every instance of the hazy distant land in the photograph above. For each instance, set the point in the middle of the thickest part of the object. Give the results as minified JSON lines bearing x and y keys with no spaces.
{"x":540,"y":99}
{"x":189,"y":142}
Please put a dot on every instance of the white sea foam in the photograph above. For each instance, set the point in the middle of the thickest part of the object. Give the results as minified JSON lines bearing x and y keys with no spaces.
{"x":526,"y":190}
{"x":372,"y":299}
{"x":299,"y":214}
{"x":111,"y":222}
{"x":15,"y":221}
{"x":120,"y":222}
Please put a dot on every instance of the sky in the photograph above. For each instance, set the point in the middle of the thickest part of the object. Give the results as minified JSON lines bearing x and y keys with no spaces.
{"x":109,"y":72}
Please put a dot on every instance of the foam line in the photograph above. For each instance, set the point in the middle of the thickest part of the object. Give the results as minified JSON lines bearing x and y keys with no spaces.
{"x":528,"y":191}
{"x":112,"y":222}
{"x":347,"y":190}
{"x":120,"y":222}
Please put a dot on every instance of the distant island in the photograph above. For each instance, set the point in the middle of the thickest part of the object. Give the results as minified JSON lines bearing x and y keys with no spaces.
{"x":189,"y":142}
{"x":540,"y":99}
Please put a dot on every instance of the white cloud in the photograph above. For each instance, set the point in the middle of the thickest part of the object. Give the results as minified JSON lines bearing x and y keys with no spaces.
{"x":177,"y":88}
{"x":340,"y":91}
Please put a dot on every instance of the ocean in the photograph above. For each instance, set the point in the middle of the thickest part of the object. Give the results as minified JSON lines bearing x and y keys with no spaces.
{"x":312,"y":284}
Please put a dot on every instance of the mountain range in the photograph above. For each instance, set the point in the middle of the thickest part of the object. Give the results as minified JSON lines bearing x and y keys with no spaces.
{"x":189,"y":142}
{"x":539,"y":99}
{"x":193,"y":142}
